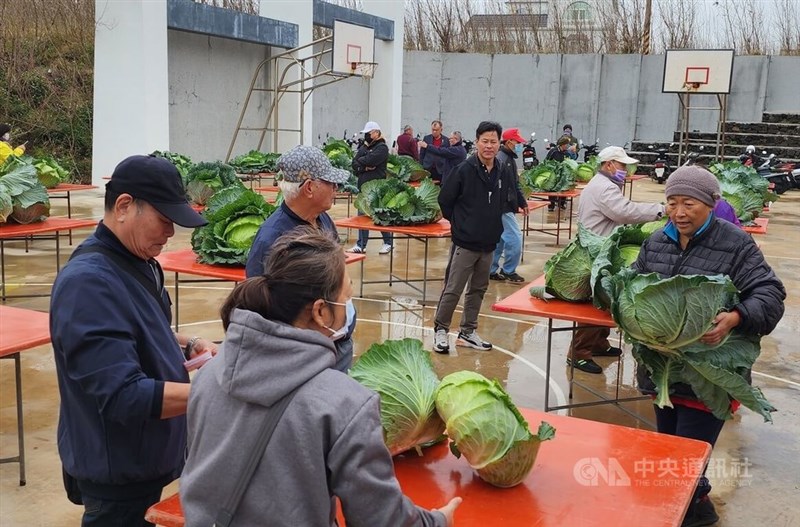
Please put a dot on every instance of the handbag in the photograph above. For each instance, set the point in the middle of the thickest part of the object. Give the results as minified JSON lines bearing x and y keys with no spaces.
{"x":226,"y":514}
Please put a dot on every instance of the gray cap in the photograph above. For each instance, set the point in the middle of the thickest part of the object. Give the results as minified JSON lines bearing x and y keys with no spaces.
{"x":695,"y":182}
{"x":309,"y":162}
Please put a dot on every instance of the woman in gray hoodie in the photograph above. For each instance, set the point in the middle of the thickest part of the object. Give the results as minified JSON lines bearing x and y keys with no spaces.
{"x":280,"y":334}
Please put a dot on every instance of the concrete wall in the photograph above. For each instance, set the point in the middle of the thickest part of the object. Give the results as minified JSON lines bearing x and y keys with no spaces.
{"x":208,"y":82}
{"x":614,"y":97}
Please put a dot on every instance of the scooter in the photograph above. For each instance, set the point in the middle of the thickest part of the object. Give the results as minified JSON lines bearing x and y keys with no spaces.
{"x":529,"y":159}
{"x":469,"y":146}
{"x":782,"y":181}
{"x":661,"y":168}
{"x":590,"y":150}
{"x":793,"y":169}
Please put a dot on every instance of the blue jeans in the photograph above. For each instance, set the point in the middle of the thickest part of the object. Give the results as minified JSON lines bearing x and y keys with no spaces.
{"x":510,"y":243}
{"x":363,"y":236}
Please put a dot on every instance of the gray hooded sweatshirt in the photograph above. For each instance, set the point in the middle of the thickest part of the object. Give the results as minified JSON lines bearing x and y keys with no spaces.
{"x":328,"y":443}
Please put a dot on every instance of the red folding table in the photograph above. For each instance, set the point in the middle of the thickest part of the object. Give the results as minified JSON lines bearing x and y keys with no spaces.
{"x":21,"y":329}
{"x":590,"y":474}
{"x":568,"y":195}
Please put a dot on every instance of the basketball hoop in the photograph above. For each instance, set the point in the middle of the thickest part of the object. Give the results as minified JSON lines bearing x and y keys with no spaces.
{"x":363,"y":69}
{"x":692,"y":86}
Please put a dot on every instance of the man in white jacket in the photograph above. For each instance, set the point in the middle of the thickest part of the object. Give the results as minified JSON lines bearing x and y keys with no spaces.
{"x":602,"y":207}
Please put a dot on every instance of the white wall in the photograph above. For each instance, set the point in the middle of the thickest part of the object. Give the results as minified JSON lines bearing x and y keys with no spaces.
{"x":130,"y":82}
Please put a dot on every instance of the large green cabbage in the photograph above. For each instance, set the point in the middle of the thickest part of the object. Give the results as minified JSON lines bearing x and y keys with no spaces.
{"x":204,"y":179}
{"x":665,"y":318}
{"x":406,"y":168}
{"x":402,"y":373}
{"x":23,"y":198}
{"x":568,"y":273}
{"x":255,"y":162}
{"x":234,"y":215}
{"x":486,"y":427}
{"x":392,"y":202}
{"x":182,"y":163}
{"x":743,"y":188}
{"x":549,"y":176}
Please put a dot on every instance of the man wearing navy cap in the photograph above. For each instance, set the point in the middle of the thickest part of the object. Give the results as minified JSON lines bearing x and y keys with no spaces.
{"x":120,"y":367}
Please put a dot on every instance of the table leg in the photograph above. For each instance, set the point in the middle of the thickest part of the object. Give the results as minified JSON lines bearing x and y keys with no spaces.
{"x":524,"y":234}
{"x":20,"y":427}
{"x":572,"y":365}
{"x":558,"y":221}
{"x":425,"y":270}
{"x":569,"y":231}
{"x":58,"y":251}
{"x":547,"y":366}
{"x":177,"y":304}
{"x":69,"y":213}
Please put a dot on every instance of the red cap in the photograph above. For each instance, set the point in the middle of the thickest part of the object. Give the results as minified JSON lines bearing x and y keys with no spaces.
{"x":512,"y":134}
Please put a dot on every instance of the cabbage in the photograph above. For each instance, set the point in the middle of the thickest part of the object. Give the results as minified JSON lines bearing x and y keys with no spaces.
{"x":629,"y":254}
{"x":22,"y":196}
{"x":50,"y":172}
{"x":234,"y":215}
{"x":402,"y":373}
{"x":486,"y":427}
{"x":255,"y":162}
{"x":743,"y":188}
{"x":392,"y":202}
{"x":584,"y":172}
{"x":665,"y":319}
{"x":406,"y":168}
{"x":182,"y":163}
{"x":549,"y":176}
{"x":568,"y":273}
{"x":204,"y":179}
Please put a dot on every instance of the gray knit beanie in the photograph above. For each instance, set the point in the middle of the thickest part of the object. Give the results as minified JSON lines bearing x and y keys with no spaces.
{"x":695,"y":182}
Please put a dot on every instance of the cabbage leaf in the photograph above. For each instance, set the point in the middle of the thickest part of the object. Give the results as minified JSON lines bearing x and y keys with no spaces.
{"x":401,"y":372}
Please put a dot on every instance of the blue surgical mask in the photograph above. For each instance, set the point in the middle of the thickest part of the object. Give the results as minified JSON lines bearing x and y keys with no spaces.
{"x":350,"y":316}
{"x":518,"y":149}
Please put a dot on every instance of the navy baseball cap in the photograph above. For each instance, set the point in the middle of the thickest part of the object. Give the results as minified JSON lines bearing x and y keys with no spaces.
{"x":156,"y":181}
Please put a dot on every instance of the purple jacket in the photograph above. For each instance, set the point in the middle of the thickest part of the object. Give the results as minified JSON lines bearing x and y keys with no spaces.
{"x":724,"y":211}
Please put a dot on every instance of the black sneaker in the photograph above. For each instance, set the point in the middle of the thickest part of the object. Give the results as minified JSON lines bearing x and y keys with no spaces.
{"x":514,"y":277}
{"x":587,"y":365}
{"x":563,"y":206}
{"x":472,"y":340}
{"x":499,"y":276}
{"x":551,"y":208}
{"x":701,"y":513}
{"x":610,"y":352}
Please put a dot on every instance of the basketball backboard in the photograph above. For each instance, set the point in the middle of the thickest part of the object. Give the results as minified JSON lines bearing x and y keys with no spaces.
{"x":353,"y":49}
{"x":698,"y":71}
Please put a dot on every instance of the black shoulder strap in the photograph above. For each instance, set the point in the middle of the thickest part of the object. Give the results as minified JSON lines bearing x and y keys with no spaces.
{"x":228,"y":511}
{"x":128,"y":267}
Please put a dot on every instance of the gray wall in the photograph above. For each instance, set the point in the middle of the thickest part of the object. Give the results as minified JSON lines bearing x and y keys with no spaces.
{"x":208,"y":81}
{"x":614,"y":97}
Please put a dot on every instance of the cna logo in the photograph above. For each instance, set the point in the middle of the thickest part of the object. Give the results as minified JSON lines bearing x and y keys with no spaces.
{"x":591,"y":471}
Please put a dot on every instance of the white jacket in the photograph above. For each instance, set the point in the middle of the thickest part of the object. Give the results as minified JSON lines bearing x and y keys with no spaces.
{"x":603,"y":206}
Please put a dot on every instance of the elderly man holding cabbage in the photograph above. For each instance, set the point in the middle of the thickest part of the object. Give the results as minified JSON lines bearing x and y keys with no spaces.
{"x":697,"y":320}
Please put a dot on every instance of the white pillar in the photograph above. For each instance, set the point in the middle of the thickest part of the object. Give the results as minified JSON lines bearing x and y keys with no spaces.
{"x":131,"y":82}
{"x":300,"y":12}
{"x":386,"y":88}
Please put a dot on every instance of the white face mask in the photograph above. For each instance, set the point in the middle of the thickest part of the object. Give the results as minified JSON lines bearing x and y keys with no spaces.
{"x":350,"y":315}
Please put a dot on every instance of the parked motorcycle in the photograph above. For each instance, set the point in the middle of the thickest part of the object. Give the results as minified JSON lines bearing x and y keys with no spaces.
{"x":529,"y":159}
{"x":769,"y":170}
{"x":661,"y":168}
{"x":589,"y":151}
{"x":793,"y":169}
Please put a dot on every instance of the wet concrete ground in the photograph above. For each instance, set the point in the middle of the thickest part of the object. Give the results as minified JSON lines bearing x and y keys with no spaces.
{"x":754,"y":466}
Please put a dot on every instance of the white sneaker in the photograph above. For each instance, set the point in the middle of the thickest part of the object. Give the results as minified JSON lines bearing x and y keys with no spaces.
{"x":472,"y":340}
{"x":355,"y":249}
{"x":441,"y":343}
{"x":386,"y":249}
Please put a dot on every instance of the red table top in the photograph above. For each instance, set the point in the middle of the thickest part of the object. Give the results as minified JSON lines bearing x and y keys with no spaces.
{"x":440,"y":229}
{"x":590,"y":474}
{"x":565,"y":194}
{"x":536,"y":204}
{"x":635,"y":177}
{"x":267,"y":189}
{"x":51,"y":224}
{"x":69,"y":187}
{"x":185,"y":261}
{"x":523,"y":303}
{"x":21,"y":329}
{"x":759,"y":228}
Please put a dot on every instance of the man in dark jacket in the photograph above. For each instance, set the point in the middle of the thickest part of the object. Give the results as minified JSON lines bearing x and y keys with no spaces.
{"x":369,"y":164}
{"x":696,"y":242}
{"x":473,"y":198}
{"x":445,"y":157}
{"x":510,"y":245}
{"x":433,"y":164}
{"x":120,"y":368}
{"x":558,"y":153}
{"x":406,"y":144}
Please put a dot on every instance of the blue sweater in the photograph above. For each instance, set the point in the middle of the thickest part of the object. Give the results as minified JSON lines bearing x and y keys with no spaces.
{"x":114,"y":349}
{"x":280,"y":222}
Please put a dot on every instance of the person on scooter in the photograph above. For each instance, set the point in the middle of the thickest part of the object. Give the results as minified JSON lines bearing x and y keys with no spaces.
{"x":572,"y":149}
{"x":510,"y":244}
{"x":602,"y":207}
{"x":558,"y":153}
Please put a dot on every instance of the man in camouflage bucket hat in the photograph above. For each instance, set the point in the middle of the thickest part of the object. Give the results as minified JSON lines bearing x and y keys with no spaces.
{"x":309,"y":183}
